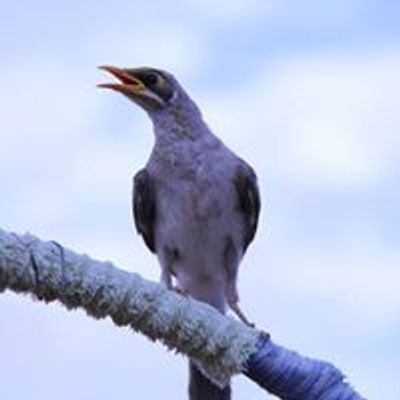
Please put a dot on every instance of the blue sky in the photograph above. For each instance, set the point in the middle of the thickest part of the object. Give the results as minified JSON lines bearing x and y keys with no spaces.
{"x":306,"y":91}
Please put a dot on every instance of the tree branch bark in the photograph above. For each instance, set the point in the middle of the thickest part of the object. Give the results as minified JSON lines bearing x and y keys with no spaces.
{"x":219,"y":345}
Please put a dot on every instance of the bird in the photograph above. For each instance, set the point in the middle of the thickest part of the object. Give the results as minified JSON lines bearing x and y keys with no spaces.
{"x":196,"y":204}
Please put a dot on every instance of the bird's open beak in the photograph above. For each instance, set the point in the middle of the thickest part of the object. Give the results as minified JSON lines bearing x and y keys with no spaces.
{"x":129,"y":84}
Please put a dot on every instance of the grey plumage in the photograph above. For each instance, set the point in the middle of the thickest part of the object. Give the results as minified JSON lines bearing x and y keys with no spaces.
{"x":196,"y":204}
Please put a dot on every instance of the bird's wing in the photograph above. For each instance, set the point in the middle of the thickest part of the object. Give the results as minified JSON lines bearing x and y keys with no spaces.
{"x":248,"y":202}
{"x":144,"y":207}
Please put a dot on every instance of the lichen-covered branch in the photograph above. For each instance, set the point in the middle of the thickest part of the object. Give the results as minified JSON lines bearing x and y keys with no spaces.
{"x":219,"y":345}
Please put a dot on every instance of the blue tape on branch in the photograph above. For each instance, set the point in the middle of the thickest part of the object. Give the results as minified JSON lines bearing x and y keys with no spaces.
{"x":291,"y":376}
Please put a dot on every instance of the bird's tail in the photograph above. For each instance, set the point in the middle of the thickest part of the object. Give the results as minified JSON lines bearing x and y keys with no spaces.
{"x":201,"y":388}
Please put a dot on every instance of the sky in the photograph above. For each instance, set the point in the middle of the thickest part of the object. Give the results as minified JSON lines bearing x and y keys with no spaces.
{"x":306,"y":91}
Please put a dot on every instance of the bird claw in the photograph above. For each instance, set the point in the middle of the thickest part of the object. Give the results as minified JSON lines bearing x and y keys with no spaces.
{"x":178,"y":290}
{"x":236,"y":309}
{"x":167,"y":282}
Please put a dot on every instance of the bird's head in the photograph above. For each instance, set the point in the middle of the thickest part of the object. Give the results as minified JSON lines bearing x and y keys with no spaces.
{"x":152,"y":89}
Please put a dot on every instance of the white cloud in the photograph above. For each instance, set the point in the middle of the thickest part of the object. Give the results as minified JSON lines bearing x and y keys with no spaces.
{"x":365,"y":288}
{"x":233,"y":11}
{"x":38,"y":102}
{"x":172,"y":47}
{"x":311,"y":14}
{"x":319,"y":118}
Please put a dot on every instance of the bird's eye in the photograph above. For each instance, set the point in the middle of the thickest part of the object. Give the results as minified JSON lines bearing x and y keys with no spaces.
{"x":150,"y":79}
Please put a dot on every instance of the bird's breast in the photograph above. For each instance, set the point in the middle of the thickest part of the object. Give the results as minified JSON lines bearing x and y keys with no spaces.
{"x":192,"y":202}
{"x":195,"y":195}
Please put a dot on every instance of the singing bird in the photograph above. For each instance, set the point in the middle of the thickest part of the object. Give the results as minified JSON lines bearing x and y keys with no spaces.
{"x":195,"y":203}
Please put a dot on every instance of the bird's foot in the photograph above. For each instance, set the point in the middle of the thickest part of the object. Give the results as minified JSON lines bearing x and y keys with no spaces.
{"x":236,"y":309}
{"x":233,"y":302}
{"x":181,"y":291}
{"x":166,"y":280}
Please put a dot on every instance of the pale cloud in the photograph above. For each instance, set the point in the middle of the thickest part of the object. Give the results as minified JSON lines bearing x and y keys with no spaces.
{"x":177,"y":48}
{"x":48,"y":110}
{"x":232,"y":11}
{"x":313,"y":14}
{"x":319,"y":118}
{"x":365,"y":287}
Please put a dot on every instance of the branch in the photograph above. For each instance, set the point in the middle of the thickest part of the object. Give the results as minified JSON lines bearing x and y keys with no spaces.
{"x":219,"y":345}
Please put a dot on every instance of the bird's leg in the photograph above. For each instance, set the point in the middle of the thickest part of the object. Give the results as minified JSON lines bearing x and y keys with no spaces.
{"x":236,"y":309}
{"x":232,"y":298}
{"x":166,"y":278}
{"x":169,"y":257}
{"x":231,"y":261}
